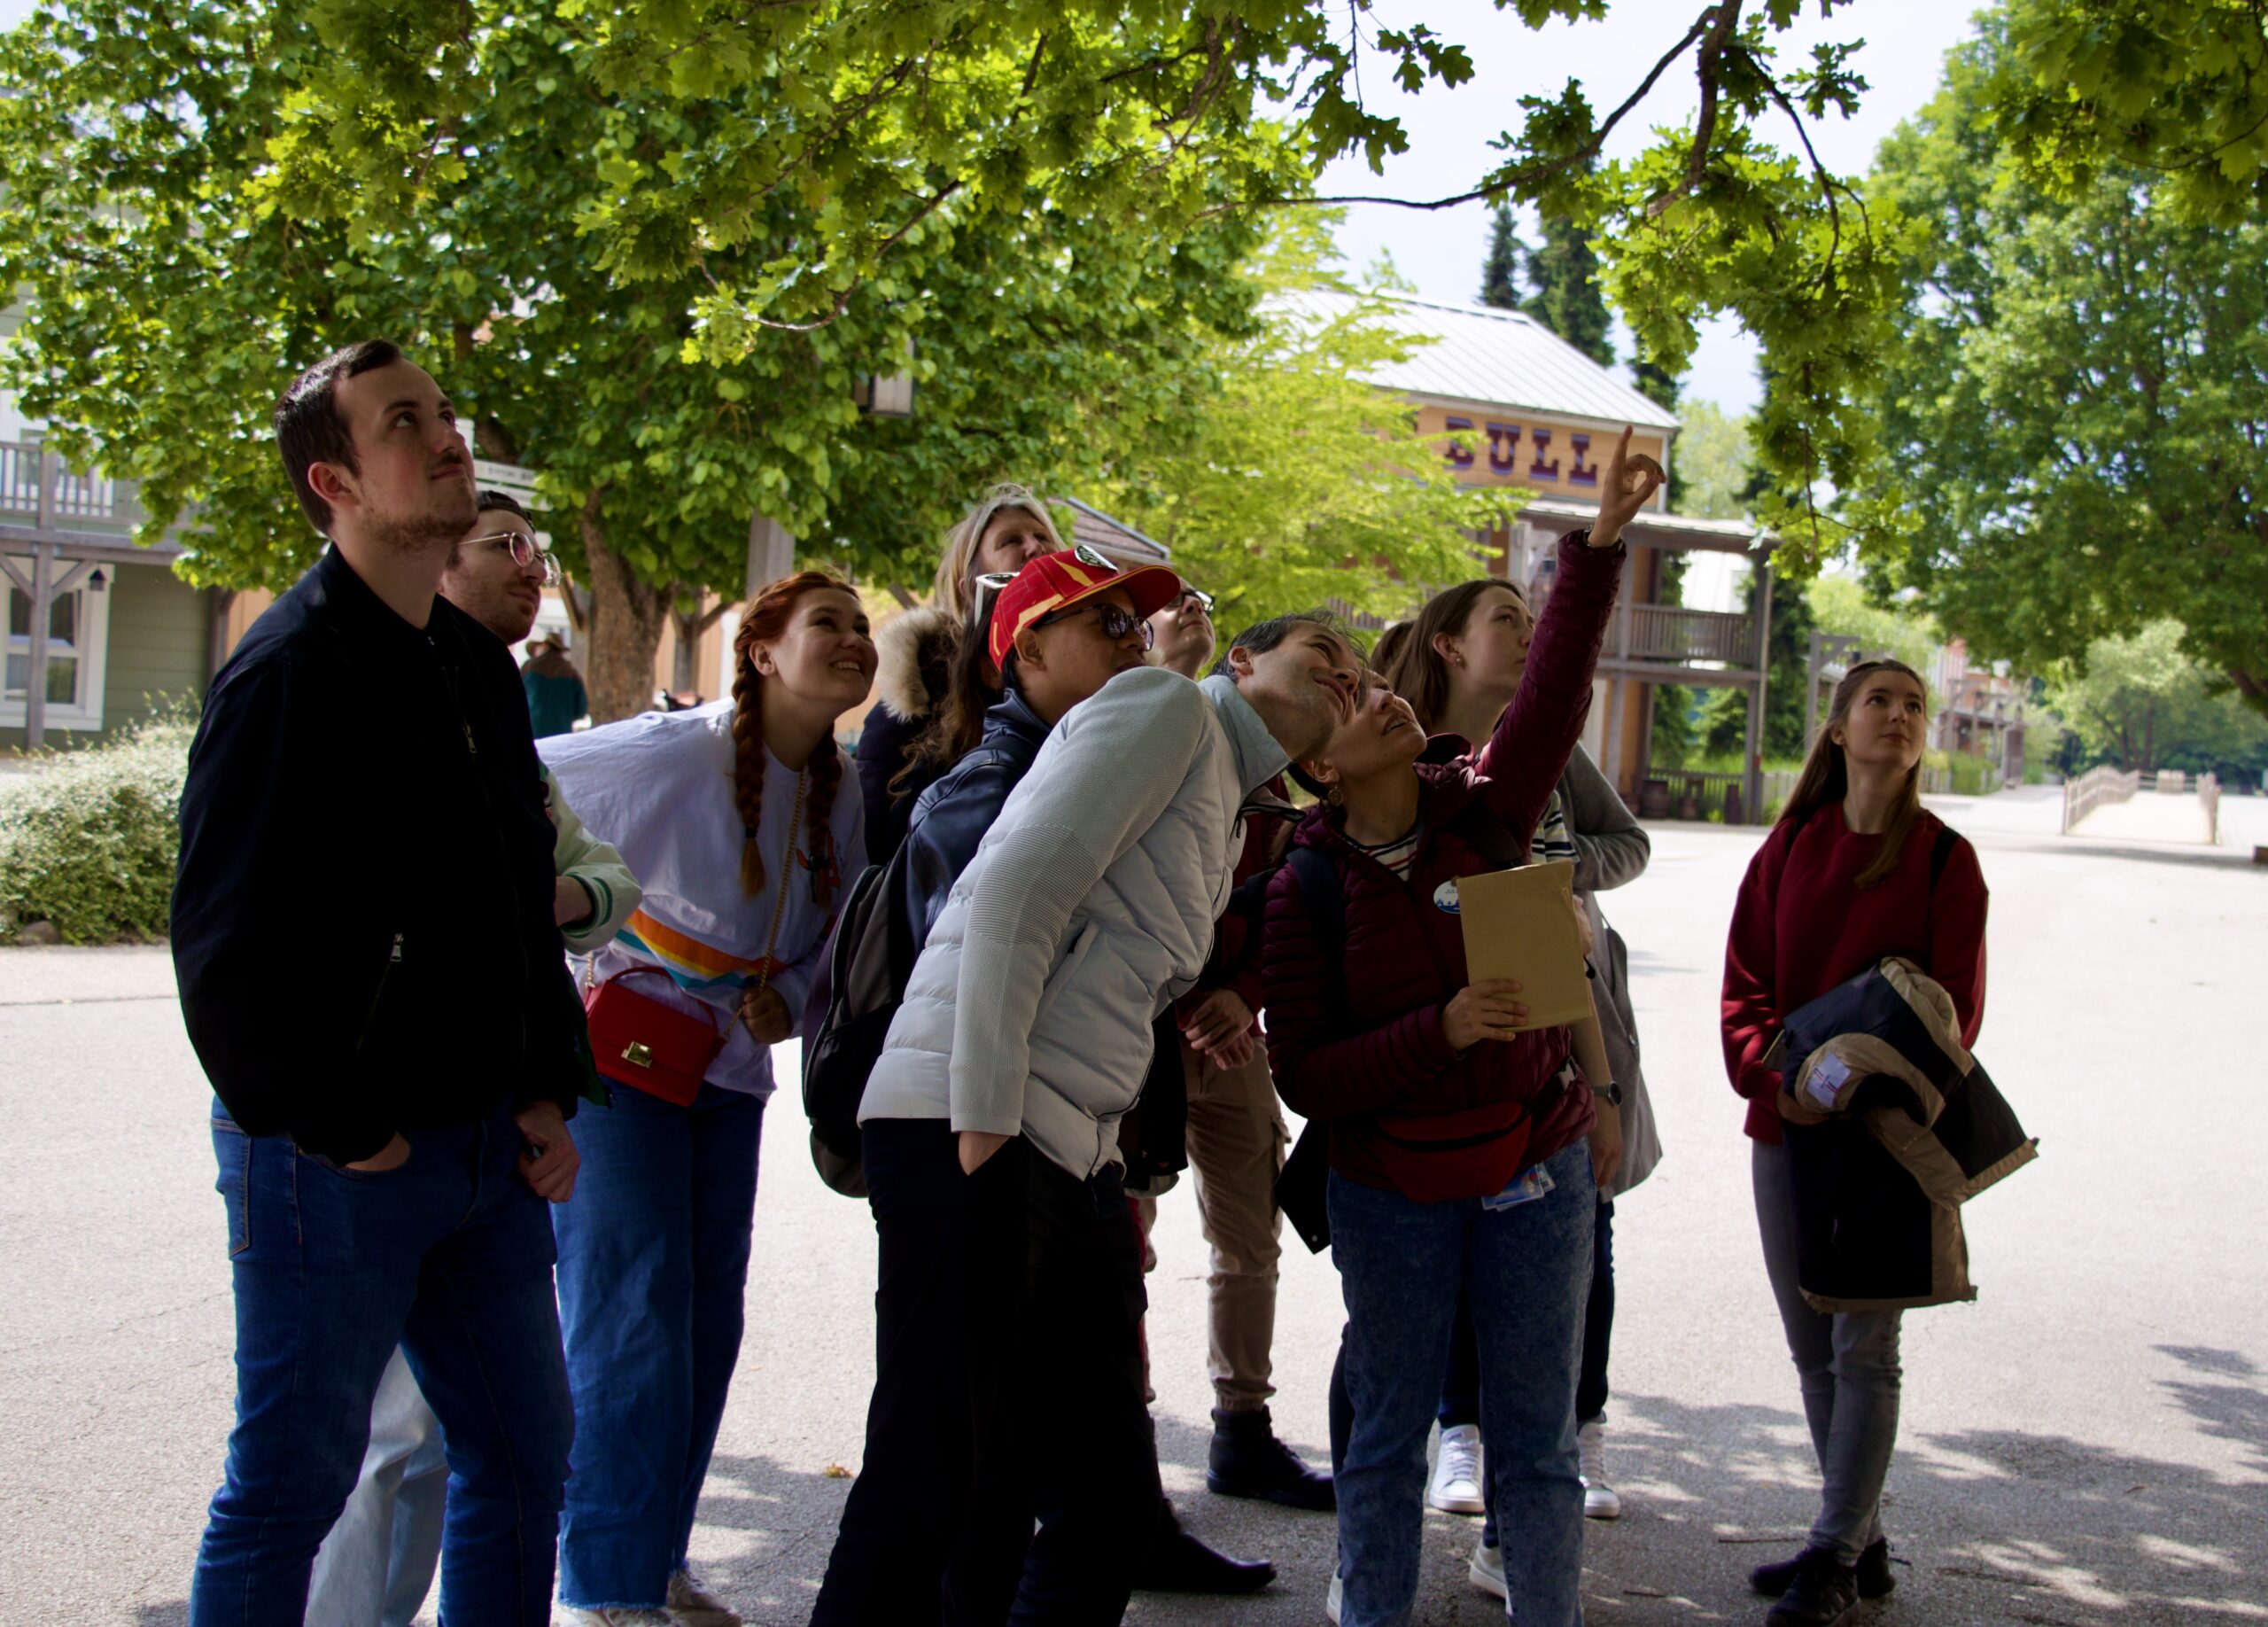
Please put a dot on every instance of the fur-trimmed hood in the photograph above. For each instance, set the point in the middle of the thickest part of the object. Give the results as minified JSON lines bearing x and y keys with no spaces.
{"x":916,"y":648}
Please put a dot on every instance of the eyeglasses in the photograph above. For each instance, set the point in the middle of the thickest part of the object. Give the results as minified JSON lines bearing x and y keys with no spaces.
{"x":1115,"y":621}
{"x":992,"y":582}
{"x":526,"y":552}
{"x":1204,"y":599}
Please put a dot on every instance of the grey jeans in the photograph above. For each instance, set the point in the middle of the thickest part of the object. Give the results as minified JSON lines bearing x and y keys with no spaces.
{"x":1847,"y":1365}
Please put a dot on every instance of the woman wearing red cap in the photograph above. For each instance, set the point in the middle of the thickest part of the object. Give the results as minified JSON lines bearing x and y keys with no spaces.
{"x":1055,"y":634}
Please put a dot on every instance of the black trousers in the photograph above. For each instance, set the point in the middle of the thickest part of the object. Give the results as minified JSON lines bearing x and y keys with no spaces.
{"x":1008,"y":1388}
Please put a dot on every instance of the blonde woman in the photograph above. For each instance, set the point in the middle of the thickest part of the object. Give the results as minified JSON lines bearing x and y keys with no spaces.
{"x":1006,"y":528}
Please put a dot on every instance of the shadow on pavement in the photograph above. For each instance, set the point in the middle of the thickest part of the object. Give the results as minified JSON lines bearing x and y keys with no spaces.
{"x":1988,"y":1525}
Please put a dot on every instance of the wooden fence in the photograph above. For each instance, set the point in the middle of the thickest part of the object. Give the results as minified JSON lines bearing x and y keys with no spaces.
{"x":2094,"y":789}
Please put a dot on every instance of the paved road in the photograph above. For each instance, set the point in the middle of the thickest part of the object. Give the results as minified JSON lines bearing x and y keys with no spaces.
{"x":2088,"y":1443}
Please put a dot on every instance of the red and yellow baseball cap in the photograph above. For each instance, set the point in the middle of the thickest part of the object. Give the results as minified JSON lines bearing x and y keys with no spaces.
{"x":1052,"y":583}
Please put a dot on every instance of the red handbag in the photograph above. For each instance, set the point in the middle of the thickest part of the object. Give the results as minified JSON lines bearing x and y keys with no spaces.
{"x":647,"y":1046}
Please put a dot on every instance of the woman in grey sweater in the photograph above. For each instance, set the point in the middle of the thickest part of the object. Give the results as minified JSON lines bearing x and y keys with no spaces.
{"x":1458,"y":665}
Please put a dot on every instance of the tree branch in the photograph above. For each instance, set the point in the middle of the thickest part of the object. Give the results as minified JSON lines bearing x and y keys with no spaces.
{"x":1581,"y":156}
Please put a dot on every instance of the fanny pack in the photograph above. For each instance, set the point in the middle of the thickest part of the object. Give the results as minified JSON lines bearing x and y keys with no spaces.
{"x":640,"y":1042}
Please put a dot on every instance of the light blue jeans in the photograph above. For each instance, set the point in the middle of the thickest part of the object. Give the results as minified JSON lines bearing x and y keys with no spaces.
{"x":1527,"y":1269}
{"x":653,"y":1268}
{"x":1847,"y":1364}
{"x":377,"y":1566}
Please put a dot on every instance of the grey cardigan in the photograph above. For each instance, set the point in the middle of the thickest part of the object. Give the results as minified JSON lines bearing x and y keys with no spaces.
{"x":1612,"y":848}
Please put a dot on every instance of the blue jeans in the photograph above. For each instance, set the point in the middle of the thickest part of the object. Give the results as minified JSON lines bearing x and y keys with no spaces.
{"x":377,"y":1566}
{"x":450,"y":1257}
{"x":652,"y":1263}
{"x":1400,"y":1265}
{"x":1848,"y":1368}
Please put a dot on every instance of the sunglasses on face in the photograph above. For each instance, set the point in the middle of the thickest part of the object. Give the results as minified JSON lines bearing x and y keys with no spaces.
{"x":1204,"y":600}
{"x":524,"y":550}
{"x":1115,"y":622}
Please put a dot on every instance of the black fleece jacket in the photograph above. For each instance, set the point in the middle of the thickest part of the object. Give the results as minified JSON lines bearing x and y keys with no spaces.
{"x":362,"y":925}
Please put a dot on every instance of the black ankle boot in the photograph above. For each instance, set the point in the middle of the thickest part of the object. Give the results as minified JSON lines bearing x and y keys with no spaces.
{"x":1248,"y":1461}
{"x":1874,"y":1578}
{"x":1180,"y":1563}
{"x":1822,"y":1591}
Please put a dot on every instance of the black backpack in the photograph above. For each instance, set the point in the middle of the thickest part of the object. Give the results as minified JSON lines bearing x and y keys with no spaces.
{"x":861,"y":984}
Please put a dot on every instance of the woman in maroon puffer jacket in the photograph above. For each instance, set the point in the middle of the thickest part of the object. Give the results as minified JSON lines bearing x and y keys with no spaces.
{"x":1458,"y":1151}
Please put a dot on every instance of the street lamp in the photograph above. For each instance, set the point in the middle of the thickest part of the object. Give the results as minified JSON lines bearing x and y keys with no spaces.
{"x":888,"y":395}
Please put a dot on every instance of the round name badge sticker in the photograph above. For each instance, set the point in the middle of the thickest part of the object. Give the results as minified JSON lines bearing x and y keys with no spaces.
{"x":1445,"y":896}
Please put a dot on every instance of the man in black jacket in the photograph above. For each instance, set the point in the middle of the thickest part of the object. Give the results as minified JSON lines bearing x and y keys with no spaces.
{"x":363,"y":935}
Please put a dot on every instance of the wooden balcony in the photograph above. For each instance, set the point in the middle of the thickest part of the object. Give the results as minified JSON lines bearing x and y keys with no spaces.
{"x":1670,"y":632}
{"x":40,"y":495}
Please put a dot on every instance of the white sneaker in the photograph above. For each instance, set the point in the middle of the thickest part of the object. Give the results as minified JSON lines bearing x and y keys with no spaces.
{"x":1488,"y":1570}
{"x":1601,"y":1501}
{"x":568,"y":1615}
{"x":1331,"y":1597}
{"x":1456,"y":1488}
{"x":692,"y":1605}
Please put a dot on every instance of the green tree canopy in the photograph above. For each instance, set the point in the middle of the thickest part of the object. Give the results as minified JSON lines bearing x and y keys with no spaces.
{"x":1298,"y":483}
{"x":815,"y":144}
{"x":2143,"y":703}
{"x":1711,"y":460}
{"x":2077,"y":411}
{"x":170,"y":296}
{"x":2087,"y":88}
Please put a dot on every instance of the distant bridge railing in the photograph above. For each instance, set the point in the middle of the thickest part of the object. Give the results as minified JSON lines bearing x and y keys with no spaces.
{"x":2092,"y":790}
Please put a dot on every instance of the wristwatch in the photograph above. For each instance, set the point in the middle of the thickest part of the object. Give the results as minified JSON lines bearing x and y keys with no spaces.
{"x":1610,"y":1093}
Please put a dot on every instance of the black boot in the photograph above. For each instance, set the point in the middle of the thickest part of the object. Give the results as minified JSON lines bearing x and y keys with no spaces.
{"x":1874,"y":1578}
{"x":1180,"y":1563}
{"x":1248,"y":1461}
{"x":1823,"y":1590}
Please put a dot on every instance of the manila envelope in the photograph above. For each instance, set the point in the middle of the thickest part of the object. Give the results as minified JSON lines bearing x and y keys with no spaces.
{"x":1520,"y":925}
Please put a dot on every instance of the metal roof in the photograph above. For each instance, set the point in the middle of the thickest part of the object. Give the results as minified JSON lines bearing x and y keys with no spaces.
{"x":1675,"y":530}
{"x":1490,"y":357}
{"x":1114,"y":538}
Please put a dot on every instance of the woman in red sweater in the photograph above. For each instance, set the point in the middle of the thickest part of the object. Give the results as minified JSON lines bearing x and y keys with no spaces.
{"x":1844,"y":880}
{"x":1462,"y":1144}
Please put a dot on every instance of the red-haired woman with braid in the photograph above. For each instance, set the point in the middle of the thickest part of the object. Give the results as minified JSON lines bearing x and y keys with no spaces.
{"x":730,"y":816}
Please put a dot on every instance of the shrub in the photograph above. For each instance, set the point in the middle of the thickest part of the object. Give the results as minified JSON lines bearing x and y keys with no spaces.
{"x":89,"y":838}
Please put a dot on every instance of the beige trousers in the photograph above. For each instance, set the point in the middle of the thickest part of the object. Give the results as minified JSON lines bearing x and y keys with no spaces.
{"x":1236,"y":1141}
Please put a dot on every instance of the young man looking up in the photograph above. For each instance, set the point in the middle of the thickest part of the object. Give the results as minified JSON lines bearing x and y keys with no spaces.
{"x":1236,"y":1139}
{"x":392,"y":1050}
{"x":377,"y":1565}
{"x":1026,"y":1024}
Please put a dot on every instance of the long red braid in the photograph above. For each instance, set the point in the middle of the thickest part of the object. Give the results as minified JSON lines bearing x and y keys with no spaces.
{"x":766,"y":619}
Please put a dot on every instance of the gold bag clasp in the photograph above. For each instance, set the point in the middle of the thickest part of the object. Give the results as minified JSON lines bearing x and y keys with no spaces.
{"x":637,"y":1056}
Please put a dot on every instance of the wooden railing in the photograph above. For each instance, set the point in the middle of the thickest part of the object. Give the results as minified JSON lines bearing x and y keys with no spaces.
{"x":1671,"y":633}
{"x":2094,"y":789}
{"x":1669,"y":793}
{"x":37,"y":487}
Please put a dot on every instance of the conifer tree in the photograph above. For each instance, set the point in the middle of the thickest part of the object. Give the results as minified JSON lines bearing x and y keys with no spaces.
{"x":1565,"y":294}
{"x":1500,"y":272}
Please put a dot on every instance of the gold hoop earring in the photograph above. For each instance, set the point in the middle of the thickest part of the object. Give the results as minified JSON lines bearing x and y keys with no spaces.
{"x":1331,"y":795}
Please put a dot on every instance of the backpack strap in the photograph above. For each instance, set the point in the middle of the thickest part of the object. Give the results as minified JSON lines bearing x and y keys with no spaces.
{"x":1941,"y":854}
{"x":1325,"y":896}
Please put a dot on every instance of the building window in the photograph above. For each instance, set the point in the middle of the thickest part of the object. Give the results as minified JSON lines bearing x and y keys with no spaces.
{"x":76,"y":624}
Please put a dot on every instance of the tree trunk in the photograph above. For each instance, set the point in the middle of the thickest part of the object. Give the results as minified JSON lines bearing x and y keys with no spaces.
{"x":689,"y":626}
{"x":626,"y":626}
